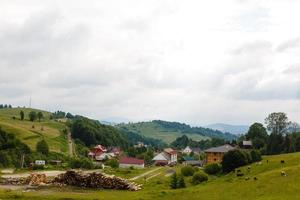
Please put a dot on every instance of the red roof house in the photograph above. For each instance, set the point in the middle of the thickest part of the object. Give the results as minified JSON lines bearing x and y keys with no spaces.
{"x":97,"y":151}
{"x":126,"y":162}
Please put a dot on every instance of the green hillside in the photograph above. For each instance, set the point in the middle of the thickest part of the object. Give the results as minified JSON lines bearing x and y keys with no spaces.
{"x":169,"y":131}
{"x":50,"y":130}
{"x":270,"y":185}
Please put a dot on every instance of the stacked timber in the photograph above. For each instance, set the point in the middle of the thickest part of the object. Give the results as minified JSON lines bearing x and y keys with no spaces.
{"x":94,"y":180}
{"x":36,"y":179}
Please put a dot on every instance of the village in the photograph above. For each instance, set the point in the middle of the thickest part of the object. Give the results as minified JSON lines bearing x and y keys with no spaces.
{"x":168,"y":157}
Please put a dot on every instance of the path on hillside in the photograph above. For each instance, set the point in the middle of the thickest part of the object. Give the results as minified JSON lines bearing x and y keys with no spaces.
{"x":145,"y":174}
{"x":70,"y":144}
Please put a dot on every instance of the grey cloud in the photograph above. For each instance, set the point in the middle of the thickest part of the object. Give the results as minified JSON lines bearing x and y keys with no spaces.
{"x":293,"y":69}
{"x":37,"y":40}
{"x":253,"y":47}
{"x":290,"y":44}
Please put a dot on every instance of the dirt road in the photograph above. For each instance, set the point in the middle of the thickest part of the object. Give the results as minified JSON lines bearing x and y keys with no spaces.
{"x":145,"y":174}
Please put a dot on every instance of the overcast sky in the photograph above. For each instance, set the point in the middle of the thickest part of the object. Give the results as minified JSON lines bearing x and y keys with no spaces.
{"x":198,"y":62}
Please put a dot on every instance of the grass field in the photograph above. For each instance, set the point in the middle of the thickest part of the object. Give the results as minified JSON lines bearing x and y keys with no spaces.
{"x":52,"y":130}
{"x":154,"y":130}
{"x":270,"y":185}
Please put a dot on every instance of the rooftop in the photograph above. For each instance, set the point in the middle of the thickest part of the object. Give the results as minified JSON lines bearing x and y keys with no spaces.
{"x":130,"y":160}
{"x":221,"y":149}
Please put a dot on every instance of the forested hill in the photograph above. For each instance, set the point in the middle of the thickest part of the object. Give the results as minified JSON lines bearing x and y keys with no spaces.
{"x":169,"y":131}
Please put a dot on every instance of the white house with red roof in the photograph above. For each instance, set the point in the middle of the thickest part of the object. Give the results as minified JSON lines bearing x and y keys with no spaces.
{"x":126,"y":162}
{"x":97,"y":151}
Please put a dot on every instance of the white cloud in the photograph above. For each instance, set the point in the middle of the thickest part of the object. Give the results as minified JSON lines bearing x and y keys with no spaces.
{"x":196,"y":62}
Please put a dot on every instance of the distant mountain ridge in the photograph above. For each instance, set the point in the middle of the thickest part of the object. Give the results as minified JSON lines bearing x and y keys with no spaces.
{"x":233,"y":129}
{"x":169,"y":131}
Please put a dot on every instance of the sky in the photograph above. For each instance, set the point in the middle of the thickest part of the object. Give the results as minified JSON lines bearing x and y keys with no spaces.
{"x":197,"y":62}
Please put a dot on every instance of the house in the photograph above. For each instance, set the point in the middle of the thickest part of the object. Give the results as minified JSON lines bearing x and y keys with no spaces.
{"x":247,"y":144}
{"x":161,"y":159}
{"x":97,"y":151}
{"x":127,"y":162}
{"x":196,"y":151}
{"x":187,"y":150}
{"x":104,"y":156}
{"x":40,"y":162}
{"x":172,"y":154}
{"x":215,"y":154}
{"x":140,"y":145}
{"x":167,"y":157}
{"x":115,"y":150}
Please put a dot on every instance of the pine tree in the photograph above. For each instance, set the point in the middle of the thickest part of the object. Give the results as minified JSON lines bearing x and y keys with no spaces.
{"x":173,"y":183}
{"x":42,"y":147}
{"x":180,"y":182}
{"x":22,"y":115}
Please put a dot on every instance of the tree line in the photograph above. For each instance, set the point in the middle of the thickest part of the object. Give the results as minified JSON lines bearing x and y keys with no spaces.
{"x":279,"y":136}
{"x":2,"y":106}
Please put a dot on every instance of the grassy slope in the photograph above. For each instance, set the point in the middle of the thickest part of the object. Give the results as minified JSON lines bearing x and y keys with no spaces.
{"x":269,"y":186}
{"x":52,"y":132}
{"x":153,"y":130}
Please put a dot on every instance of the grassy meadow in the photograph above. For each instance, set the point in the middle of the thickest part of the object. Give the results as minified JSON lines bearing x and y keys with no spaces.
{"x":270,"y":185}
{"x":154,"y":130}
{"x":52,"y":130}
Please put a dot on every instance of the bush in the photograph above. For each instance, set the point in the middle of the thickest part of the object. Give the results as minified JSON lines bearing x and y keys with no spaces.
{"x":213,"y":168}
{"x":199,"y":177}
{"x":113,"y":163}
{"x":248,"y":156}
{"x":38,"y":167}
{"x":187,"y":171}
{"x":256,"y":156}
{"x":233,"y":159}
{"x":84,"y":163}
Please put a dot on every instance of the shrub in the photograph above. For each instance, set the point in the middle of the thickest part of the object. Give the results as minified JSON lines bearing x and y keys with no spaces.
{"x":87,"y":163}
{"x":248,"y":157}
{"x":199,"y":177}
{"x":84,"y":163}
{"x":187,"y":171}
{"x":233,"y":159}
{"x":213,"y":168}
{"x":38,"y":167}
{"x":256,"y":156}
{"x":113,"y":163}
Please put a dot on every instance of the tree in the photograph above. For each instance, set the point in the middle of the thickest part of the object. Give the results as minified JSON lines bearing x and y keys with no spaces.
{"x":40,"y":116}
{"x":42,"y":147}
{"x":187,"y":170}
{"x":277,"y":123}
{"x":180,"y":182}
{"x":213,"y":168}
{"x":199,"y":177}
{"x":22,"y":115}
{"x":233,"y":159}
{"x":275,"y":144}
{"x":255,"y":155}
{"x":32,"y":116}
{"x":173,"y":182}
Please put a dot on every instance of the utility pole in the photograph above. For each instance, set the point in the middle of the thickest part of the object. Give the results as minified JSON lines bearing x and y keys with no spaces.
{"x":30,"y":102}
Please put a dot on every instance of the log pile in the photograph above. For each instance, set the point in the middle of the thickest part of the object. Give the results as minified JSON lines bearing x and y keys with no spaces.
{"x":13,"y":181}
{"x":36,"y":179}
{"x":32,"y":180}
{"x":94,"y":180}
